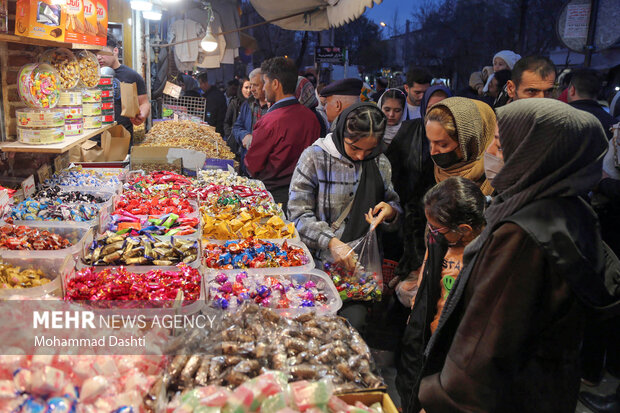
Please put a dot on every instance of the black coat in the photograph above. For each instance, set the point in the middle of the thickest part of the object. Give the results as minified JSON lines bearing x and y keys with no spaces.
{"x":412,"y":176}
{"x":595,"y":108}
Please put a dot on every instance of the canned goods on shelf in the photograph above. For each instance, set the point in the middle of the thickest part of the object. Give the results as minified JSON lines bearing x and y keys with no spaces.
{"x":40,"y":118}
{"x":40,"y":136}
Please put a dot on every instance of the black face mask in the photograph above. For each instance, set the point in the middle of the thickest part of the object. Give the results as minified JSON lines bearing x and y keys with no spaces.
{"x":446,"y":160}
{"x":440,"y":240}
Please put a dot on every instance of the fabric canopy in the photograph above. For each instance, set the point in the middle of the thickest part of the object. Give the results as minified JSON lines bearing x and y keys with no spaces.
{"x":321,"y":14}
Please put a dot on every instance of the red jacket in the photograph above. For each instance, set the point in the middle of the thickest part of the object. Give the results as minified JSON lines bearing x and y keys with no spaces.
{"x":278,"y":139}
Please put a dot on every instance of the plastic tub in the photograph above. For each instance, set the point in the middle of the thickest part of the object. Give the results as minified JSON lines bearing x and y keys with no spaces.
{"x":74,"y":128}
{"x":105,"y":80}
{"x":322,"y":281}
{"x":92,"y":122}
{"x":38,"y":85}
{"x":107,"y":106}
{"x":188,"y":309}
{"x":64,"y":61}
{"x":41,"y":136}
{"x":284,"y":270}
{"x":52,"y":272}
{"x":91,"y":95}
{"x":73,"y":113}
{"x":107,"y":95}
{"x":70,"y":97}
{"x":40,"y":118}
{"x":89,"y":69}
{"x":91,"y":109}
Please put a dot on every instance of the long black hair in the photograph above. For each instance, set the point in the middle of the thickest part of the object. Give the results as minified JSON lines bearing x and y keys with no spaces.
{"x":456,"y":201}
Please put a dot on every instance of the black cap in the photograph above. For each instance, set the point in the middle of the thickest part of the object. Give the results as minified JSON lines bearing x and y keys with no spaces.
{"x":346,"y":87}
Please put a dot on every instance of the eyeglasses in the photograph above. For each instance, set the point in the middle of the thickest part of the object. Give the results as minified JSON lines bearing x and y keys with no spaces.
{"x":436,"y":231}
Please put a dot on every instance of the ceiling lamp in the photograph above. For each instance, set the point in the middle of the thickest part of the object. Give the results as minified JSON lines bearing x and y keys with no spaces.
{"x":141,"y":5}
{"x":154,"y":14}
{"x":209,"y":42}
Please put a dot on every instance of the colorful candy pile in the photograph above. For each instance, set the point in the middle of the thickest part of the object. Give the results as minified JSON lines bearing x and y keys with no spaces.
{"x":269,"y":392}
{"x":136,"y":203}
{"x":83,"y":177}
{"x":232,"y":291}
{"x":124,"y":249}
{"x":14,"y":237}
{"x":253,"y":253}
{"x":245,"y":224}
{"x":160,"y":181}
{"x":15,"y":277}
{"x":58,"y":195}
{"x":65,"y":384}
{"x":354,"y":285}
{"x":31,"y":210}
{"x":169,"y":224}
{"x":121,"y":284}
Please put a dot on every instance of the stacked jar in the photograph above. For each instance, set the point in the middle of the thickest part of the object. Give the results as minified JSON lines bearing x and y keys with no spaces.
{"x":91,"y":108}
{"x":70,"y":98}
{"x":39,"y":87}
{"x":107,"y":98}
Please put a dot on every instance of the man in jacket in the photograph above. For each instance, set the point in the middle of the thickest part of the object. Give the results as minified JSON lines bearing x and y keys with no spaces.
{"x":583,"y":89}
{"x":249,"y":114}
{"x":339,"y":95}
{"x":215,"y":111}
{"x":283,"y":133}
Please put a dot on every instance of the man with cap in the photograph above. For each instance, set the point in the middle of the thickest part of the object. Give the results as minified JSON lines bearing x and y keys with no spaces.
{"x":339,"y":95}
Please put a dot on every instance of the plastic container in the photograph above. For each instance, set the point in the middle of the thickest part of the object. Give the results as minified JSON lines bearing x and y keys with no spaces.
{"x":320,"y":279}
{"x":107,"y":106}
{"x":107,"y":95}
{"x":91,"y":96}
{"x":91,"y":109}
{"x":73,"y":128}
{"x":108,"y":119}
{"x":40,"y":136}
{"x":92,"y":122}
{"x":40,"y":118}
{"x":105,"y":80}
{"x":264,"y":271}
{"x":52,"y":272}
{"x":70,"y":97}
{"x":148,"y":311}
{"x":38,"y":85}
{"x":73,"y":113}
{"x":64,"y":61}
{"x":89,"y":69}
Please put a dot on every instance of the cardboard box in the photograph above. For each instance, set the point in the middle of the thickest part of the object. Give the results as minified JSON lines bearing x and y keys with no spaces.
{"x":115,"y":143}
{"x":102,"y":23}
{"x":90,"y":21}
{"x":369,"y":399}
{"x":75,"y":26}
{"x":40,"y":19}
{"x":152,"y":159}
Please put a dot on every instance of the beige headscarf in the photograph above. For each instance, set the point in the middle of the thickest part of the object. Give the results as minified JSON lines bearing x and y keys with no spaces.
{"x":475,"y":127}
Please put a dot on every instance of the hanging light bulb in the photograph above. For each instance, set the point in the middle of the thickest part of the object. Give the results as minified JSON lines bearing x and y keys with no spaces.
{"x":141,"y":5}
{"x":154,"y":14}
{"x":209,"y":42}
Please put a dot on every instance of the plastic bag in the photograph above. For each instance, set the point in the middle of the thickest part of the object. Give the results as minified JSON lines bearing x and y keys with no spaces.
{"x":365,"y":281}
{"x":407,"y":289}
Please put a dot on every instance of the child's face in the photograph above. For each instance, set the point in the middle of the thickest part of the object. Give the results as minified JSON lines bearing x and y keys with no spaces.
{"x":456,"y":237}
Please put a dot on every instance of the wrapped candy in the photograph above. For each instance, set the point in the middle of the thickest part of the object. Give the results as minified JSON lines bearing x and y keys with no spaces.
{"x":78,"y":176}
{"x":138,"y":204}
{"x":169,"y":224}
{"x":14,"y":237}
{"x":15,"y":277}
{"x":31,"y":210}
{"x":353,"y":285}
{"x":253,"y":253}
{"x":56,"y":194}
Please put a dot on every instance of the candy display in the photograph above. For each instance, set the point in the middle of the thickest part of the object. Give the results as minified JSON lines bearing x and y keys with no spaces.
{"x":159,"y":181}
{"x":14,"y":237}
{"x":122,"y":284}
{"x":59,"y":195}
{"x":125,"y":249}
{"x":31,"y":210}
{"x":308,"y":347}
{"x":91,"y":96}
{"x":253,"y":253}
{"x":70,"y":97}
{"x":65,"y":63}
{"x":89,"y":69}
{"x":73,"y":128}
{"x":81,"y":177}
{"x":228,"y":178}
{"x":39,"y":85}
{"x":269,"y":392}
{"x":353,"y":285}
{"x":249,"y":222}
{"x":291,"y":291}
{"x":188,"y":135}
{"x":40,"y":118}
{"x":15,"y":277}
{"x":40,"y":136}
{"x":92,"y":122}
{"x":91,"y":109}
{"x":169,"y":224}
{"x":140,"y":204}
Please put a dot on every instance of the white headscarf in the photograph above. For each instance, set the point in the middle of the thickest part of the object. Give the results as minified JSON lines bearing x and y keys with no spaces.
{"x":390,"y":131}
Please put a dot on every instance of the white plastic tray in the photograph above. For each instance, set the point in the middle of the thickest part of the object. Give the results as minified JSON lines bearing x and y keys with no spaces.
{"x":52,"y":272}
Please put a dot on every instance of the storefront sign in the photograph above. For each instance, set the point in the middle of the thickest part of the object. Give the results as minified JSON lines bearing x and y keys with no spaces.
{"x":328,"y":54}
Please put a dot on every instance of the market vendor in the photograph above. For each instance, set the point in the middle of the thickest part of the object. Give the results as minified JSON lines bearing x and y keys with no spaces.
{"x":108,"y":56}
{"x":340,"y":184}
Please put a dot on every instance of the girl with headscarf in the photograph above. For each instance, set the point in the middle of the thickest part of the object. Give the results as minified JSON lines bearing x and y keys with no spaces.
{"x":346,"y":168}
{"x":459,"y":131}
{"x":392,"y":102}
{"x":509,"y":335}
{"x":232,"y":112}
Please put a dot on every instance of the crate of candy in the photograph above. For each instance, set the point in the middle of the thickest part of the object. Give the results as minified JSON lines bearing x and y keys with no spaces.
{"x":112,"y":249}
{"x":257,"y":256}
{"x":30,"y":277}
{"x":289,"y":294}
{"x":147,"y":290}
{"x":78,"y":178}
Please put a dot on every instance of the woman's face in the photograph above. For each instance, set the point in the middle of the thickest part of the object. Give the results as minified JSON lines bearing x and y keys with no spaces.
{"x":493,"y":88}
{"x":359,"y":149}
{"x":393,"y":110}
{"x":495,"y":148}
{"x":438,"y":138}
{"x":499,"y":64}
{"x":452,"y":236}
{"x":246,"y":89}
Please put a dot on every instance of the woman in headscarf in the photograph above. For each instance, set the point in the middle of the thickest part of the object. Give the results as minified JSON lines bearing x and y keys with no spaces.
{"x":392,"y":102}
{"x":340,"y":184}
{"x":509,"y":335}
{"x":459,"y":131}
{"x":243,"y":94}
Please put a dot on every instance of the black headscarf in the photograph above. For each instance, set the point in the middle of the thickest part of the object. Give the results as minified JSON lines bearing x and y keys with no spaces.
{"x":370,"y":190}
{"x":427,"y":96}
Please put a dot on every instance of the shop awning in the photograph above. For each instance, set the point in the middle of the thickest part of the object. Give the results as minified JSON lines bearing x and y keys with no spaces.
{"x":321,"y":14}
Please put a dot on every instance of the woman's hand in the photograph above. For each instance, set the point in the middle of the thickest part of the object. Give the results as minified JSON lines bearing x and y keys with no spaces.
{"x":343,"y":254}
{"x":381,"y":212}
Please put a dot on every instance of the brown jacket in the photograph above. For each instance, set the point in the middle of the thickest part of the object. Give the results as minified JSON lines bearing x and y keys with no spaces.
{"x":509,"y":340}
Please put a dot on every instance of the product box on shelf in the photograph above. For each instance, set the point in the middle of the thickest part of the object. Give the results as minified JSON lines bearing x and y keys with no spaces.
{"x":102,"y":22}
{"x":90,"y":21}
{"x":75,"y":23}
{"x":40,"y":19}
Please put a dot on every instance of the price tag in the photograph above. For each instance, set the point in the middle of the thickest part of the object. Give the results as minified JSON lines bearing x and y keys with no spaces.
{"x":172,"y":90}
{"x":28,"y":186}
{"x":176,"y":117}
{"x":44,"y":173}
